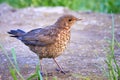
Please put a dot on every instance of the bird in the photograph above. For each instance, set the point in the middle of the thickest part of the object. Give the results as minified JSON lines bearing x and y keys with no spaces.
{"x":50,"y":41}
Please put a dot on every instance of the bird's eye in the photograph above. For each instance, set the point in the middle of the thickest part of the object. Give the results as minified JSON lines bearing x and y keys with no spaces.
{"x":70,"y":20}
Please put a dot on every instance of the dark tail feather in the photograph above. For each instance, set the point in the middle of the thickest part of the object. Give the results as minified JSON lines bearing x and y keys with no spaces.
{"x":16,"y":33}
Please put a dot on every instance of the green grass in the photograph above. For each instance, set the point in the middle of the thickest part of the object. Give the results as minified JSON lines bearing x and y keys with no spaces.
{"x":113,"y":72}
{"x":36,"y":75}
{"x":94,"y":5}
{"x":14,"y":68}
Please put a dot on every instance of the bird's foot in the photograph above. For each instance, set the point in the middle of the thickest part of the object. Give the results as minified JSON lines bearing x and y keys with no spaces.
{"x":43,"y":74}
{"x":64,"y":72}
{"x":47,"y":74}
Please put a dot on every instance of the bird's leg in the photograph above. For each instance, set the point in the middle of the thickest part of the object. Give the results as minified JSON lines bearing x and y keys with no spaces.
{"x":41,"y":65}
{"x":58,"y":66}
{"x":41,"y":68}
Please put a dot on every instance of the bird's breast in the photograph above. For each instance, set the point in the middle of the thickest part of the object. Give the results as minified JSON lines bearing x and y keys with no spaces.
{"x":55,"y":49}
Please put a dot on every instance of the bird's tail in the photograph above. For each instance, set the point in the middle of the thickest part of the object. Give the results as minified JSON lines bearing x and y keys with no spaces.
{"x":16,"y":33}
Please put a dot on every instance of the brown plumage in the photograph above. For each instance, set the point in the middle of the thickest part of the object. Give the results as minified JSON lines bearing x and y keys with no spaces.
{"x":48,"y":42}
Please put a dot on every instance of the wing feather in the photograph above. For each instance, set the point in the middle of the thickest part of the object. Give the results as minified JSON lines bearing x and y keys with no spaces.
{"x":39,"y":37}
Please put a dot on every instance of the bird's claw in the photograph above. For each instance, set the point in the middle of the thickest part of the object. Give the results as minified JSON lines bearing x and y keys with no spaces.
{"x":42,"y":73}
{"x":64,"y":72}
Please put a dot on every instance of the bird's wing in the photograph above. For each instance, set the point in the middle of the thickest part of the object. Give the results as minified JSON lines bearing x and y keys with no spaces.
{"x":39,"y":37}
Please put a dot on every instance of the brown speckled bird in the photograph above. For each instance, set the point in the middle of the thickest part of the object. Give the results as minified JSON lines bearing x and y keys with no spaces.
{"x":48,"y":42}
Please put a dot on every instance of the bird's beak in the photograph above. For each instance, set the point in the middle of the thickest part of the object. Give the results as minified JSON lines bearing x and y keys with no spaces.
{"x":79,"y":19}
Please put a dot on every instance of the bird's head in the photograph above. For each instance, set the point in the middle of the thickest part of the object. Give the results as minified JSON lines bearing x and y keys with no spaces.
{"x":67,"y":21}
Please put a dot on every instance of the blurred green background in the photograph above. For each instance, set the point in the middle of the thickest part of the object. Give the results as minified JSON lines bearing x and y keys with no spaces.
{"x":106,"y":6}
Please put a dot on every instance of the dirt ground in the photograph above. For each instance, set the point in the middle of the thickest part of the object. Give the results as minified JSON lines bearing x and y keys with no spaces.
{"x":84,"y":56}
